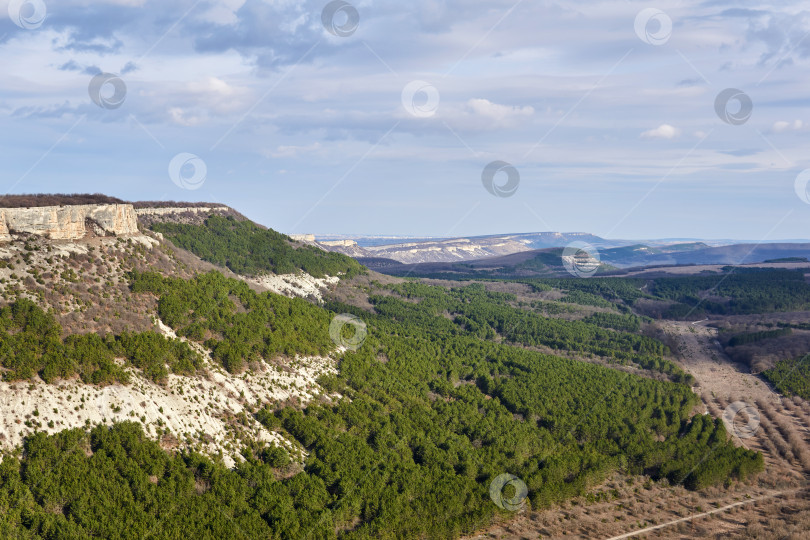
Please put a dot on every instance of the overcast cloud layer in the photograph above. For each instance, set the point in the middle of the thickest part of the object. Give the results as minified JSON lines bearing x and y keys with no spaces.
{"x":611,"y":126}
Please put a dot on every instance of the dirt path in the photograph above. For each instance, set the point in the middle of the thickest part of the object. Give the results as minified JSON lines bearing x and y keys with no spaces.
{"x":702,"y":356}
{"x":698,"y":516}
{"x":776,"y":426}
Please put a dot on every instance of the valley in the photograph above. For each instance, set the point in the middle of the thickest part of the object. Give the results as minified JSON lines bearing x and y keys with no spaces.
{"x":210,"y":344}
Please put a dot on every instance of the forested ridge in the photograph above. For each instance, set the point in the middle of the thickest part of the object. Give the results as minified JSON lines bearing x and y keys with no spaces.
{"x":247,"y":249}
{"x":733,"y":291}
{"x":434,"y":409}
{"x":486,"y":315}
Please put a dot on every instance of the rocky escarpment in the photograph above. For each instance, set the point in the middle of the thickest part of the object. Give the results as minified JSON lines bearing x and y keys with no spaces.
{"x":69,"y":222}
{"x":187,"y":215}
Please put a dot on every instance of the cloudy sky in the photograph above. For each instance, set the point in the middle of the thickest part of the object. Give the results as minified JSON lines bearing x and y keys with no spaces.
{"x":375,"y":117}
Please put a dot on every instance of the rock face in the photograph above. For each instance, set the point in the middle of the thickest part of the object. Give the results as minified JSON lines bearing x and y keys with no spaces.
{"x":169,"y":210}
{"x":192,"y":215}
{"x":303,"y":237}
{"x":69,"y":222}
{"x":339,"y":243}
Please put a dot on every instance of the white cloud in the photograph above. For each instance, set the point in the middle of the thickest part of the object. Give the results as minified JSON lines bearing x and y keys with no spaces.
{"x":664,"y":131}
{"x":480,"y":114}
{"x":291,"y":151}
{"x":223,"y":12}
{"x":501,"y":114}
{"x":196,"y":102}
{"x":217,"y":96}
{"x":780,"y":126}
{"x":184,"y":118}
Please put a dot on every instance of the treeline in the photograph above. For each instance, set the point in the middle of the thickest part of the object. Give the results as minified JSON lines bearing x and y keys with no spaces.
{"x":736,"y":292}
{"x":586,"y":299}
{"x":753,"y":337}
{"x":625,"y":323}
{"x":247,"y":249}
{"x":616,"y":291}
{"x":178,"y":204}
{"x":791,"y":377}
{"x":56,"y":199}
{"x":31,"y":343}
{"x":797,"y":326}
{"x":237,"y":324}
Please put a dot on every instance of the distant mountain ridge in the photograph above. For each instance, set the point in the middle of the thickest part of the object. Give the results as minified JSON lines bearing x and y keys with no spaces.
{"x":440,"y":250}
{"x":548,"y":262}
{"x":519,"y":249}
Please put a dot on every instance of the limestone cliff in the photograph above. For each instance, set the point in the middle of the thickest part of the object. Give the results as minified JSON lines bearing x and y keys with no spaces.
{"x":188,"y":215}
{"x":69,"y":222}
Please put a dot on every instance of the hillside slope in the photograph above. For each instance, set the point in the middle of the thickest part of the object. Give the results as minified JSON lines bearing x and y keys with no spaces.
{"x":135,"y":367}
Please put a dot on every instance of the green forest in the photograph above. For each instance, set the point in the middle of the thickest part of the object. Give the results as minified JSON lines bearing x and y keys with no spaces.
{"x":237,"y":324}
{"x":489,"y":315}
{"x":247,"y":249}
{"x":736,"y":292}
{"x":31,"y":343}
{"x":791,"y":376}
{"x":443,"y":396}
{"x":753,"y":337}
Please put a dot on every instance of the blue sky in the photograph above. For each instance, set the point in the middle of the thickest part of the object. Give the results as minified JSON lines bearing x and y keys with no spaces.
{"x":606,"y":112}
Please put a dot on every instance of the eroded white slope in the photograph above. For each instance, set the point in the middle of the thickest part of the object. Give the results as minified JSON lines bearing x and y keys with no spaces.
{"x":301,"y":285}
{"x":188,"y":412}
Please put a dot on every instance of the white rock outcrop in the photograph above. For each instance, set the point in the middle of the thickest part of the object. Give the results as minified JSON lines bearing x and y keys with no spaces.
{"x":339,"y":243}
{"x":179,"y":210}
{"x":68,"y":222}
{"x":301,"y":285}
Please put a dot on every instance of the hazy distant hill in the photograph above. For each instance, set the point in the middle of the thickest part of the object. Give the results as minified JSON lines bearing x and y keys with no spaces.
{"x":548,"y":262}
{"x":497,"y":250}
{"x":698,"y":253}
{"x":447,"y":250}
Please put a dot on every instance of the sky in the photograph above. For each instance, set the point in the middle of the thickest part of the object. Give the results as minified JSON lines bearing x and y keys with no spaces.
{"x":624,"y":119}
